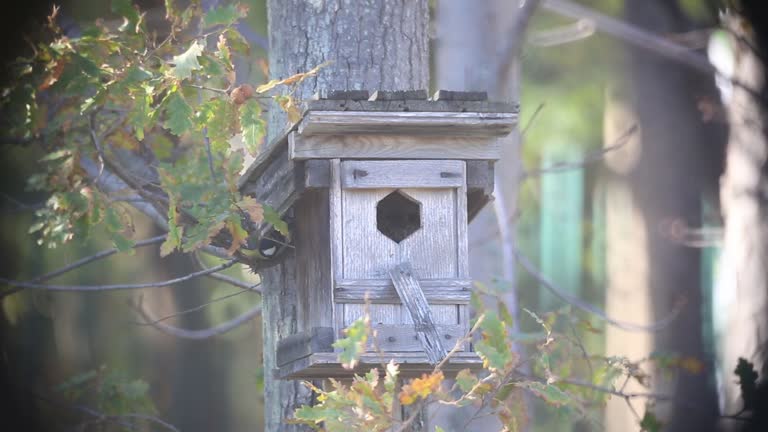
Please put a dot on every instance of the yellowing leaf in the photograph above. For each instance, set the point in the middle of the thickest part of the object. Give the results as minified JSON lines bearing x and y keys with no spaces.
{"x":187,"y":62}
{"x":239,"y":235}
{"x":421,"y":388}
{"x":293,"y":79}
{"x":253,"y":208}
{"x":289,"y":106}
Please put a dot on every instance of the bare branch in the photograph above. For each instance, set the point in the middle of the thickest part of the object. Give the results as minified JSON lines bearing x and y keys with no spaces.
{"x":592,"y":157}
{"x":576,"y":31}
{"x":632,"y":34}
{"x":515,"y":38}
{"x":578,"y":303}
{"x":95,"y":257}
{"x":111,"y":183}
{"x":224,"y":278}
{"x":254,"y":288}
{"x":198,"y":334}
{"x":160,"y":284}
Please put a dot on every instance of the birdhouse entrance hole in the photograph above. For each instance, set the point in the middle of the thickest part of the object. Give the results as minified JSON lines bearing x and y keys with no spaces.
{"x":398,"y":216}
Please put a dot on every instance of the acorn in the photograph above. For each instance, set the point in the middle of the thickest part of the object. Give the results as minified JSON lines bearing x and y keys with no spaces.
{"x":241,"y":94}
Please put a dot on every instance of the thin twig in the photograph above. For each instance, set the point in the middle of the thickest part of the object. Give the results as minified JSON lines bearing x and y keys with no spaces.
{"x":224,"y":278}
{"x":531,"y":120}
{"x":592,"y":157}
{"x":199,"y":334}
{"x":160,"y":284}
{"x":95,"y":257}
{"x":200,"y":307}
{"x":594,"y":310}
{"x":515,"y":38}
{"x":632,"y":34}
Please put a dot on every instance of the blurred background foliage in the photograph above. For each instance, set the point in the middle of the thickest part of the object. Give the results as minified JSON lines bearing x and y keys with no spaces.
{"x":216,"y":384}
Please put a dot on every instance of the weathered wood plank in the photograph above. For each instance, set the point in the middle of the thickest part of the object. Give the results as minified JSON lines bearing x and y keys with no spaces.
{"x":392,"y":147}
{"x":403,"y":338}
{"x":436,"y":295}
{"x":410,"y":293}
{"x":293,"y":347}
{"x":480,"y":175}
{"x":311,"y":238}
{"x":447,"y":95}
{"x":407,"y":123}
{"x":445,"y":284}
{"x":274,"y":184}
{"x":316,"y":174}
{"x":412,"y":364}
{"x":462,"y":246}
{"x":390,"y":95}
{"x":361,"y":174}
{"x":431,"y":251}
{"x":365,"y":251}
{"x":410,"y":106}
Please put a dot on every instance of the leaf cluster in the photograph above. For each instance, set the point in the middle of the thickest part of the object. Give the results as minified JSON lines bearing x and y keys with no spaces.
{"x":127,"y":115}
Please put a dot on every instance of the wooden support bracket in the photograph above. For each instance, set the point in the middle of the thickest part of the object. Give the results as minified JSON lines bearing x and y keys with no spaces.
{"x":411,"y":295}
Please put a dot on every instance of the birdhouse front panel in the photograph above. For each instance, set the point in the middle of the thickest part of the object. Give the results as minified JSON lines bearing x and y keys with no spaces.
{"x":378,"y":192}
{"x":393,"y":212}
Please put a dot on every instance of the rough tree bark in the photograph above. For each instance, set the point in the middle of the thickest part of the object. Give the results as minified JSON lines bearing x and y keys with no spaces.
{"x":373,"y":44}
{"x":743,"y":189}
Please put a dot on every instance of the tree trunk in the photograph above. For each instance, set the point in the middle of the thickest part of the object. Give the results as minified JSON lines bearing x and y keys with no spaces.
{"x":744,"y":265}
{"x":467,"y":60}
{"x":373,"y":45}
{"x":667,"y":181}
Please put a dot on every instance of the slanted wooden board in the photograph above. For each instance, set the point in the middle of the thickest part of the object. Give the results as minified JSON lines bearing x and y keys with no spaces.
{"x":407,"y":287}
{"x":392,"y":147}
{"x":412,"y":364}
{"x":407,"y":123}
{"x":402,"y":174}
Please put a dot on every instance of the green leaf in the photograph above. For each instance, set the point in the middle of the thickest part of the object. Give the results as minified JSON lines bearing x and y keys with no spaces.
{"x":134,"y":75}
{"x":353,"y":345}
{"x":217,"y":116}
{"x":271,"y":217}
{"x":494,"y":348}
{"x":224,"y":15}
{"x":141,"y":115}
{"x":179,"y":113}
{"x":187,"y":62}
{"x":252,"y":125}
{"x":127,"y":10}
{"x":466,"y":380}
{"x":650,"y":423}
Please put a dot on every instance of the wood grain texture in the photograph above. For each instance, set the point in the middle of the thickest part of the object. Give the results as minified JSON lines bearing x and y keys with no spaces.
{"x":470,"y":124}
{"x":392,"y":147}
{"x":312,"y":241}
{"x":316,"y":340}
{"x":412,"y":365}
{"x":404,"y":338}
{"x":362,"y":174}
{"x":411,"y":106}
{"x":407,"y":287}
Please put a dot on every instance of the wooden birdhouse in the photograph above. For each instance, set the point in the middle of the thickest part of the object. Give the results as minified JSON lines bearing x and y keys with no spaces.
{"x":379,"y":192}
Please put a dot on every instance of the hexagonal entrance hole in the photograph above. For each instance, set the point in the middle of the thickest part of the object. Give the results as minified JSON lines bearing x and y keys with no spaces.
{"x":398,"y":216}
